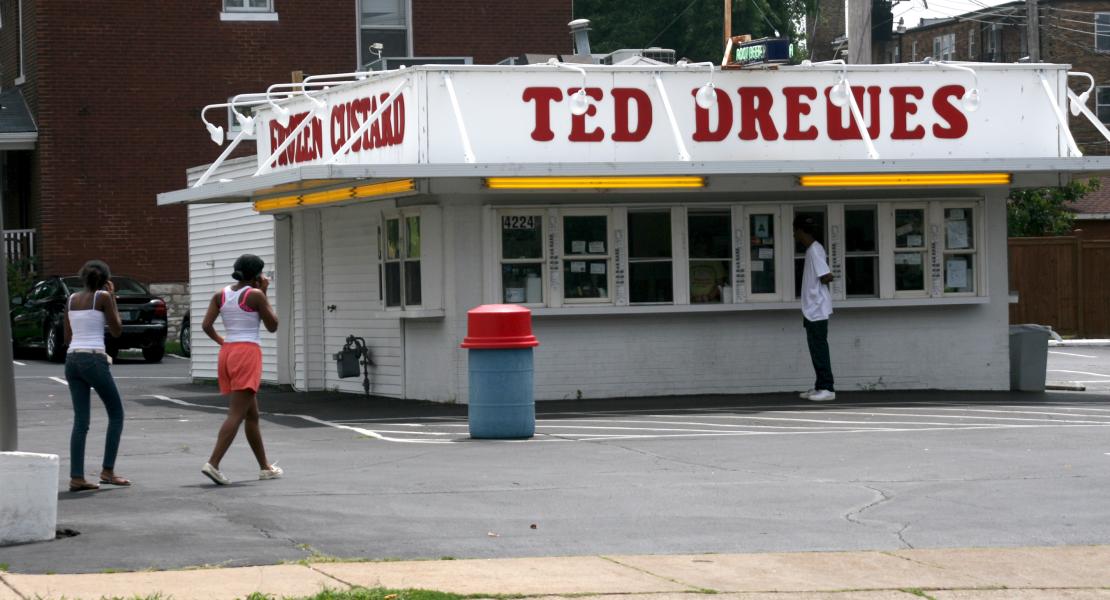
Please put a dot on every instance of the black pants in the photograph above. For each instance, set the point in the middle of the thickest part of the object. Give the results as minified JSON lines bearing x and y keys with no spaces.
{"x":817,"y":336}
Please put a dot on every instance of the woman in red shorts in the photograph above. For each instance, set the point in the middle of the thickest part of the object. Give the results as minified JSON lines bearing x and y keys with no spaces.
{"x":242,"y":306}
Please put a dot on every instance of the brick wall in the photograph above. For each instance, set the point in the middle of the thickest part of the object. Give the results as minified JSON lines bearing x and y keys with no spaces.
{"x":491,"y":30}
{"x":117,"y":90}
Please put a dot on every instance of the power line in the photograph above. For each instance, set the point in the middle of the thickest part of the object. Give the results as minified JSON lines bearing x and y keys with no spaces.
{"x":673,"y":21}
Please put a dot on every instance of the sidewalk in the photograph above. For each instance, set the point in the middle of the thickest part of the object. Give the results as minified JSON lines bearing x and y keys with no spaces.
{"x":1074,"y":572}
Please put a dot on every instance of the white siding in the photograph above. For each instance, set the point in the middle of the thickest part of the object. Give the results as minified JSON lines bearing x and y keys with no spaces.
{"x":350,"y":284}
{"x":308,"y":302}
{"x":218,"y":234}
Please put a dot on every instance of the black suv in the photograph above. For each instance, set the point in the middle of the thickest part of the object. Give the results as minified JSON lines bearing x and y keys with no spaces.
{"x":38,"y":321}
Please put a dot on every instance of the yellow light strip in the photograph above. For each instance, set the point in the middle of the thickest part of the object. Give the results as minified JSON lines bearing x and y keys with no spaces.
{"x":904,"y":179}
{"x":338,"y":195}
{"x":569,"y":183}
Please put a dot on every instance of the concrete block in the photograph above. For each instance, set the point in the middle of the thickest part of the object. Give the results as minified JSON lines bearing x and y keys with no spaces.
{"x":29,"y":504}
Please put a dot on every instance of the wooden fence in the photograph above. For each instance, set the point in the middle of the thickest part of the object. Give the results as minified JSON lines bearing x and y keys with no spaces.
{"x":1063,"y":282}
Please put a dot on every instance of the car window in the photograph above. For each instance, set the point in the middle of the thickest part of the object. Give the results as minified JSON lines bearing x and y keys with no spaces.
{"x":125,"y":286}
{"x":73,"y":284}
{"x":44,"y":290}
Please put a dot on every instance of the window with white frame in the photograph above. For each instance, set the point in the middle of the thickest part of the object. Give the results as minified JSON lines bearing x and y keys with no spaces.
{"x":1102,"y":103}
{"x":1102,"y":32}
{"x":401,"y":260}
{"x":944,"y":47}
{"x":762,"y":225}
{"x":971,"y":44}
{"x":650,"y":260}
{"x":909,"y":250}
{"x":383,"y":22}
{"x":817,"y":215}
{"x":709,"y":239}
{"x":586,"y":257}
{"x":959,"y":250}
{"x":522,"y":258}
{"x":861,"y":251}
{"x":248,"y":5}
{"x":913,"y":51}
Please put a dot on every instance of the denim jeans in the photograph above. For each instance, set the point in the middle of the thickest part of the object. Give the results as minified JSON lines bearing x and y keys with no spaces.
{"x":817,"y":336}
{"x":85,"y":371}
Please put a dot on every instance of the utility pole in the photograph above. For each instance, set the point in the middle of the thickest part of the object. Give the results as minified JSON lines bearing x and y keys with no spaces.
{"x":728,"y":22}
{"x":859,"y":32}
{"x":1033,"y":30}
{"x":9,"y":438}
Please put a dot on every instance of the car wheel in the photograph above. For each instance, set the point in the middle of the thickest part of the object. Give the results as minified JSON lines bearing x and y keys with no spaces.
{"x":154,"y":353}
{"x":55,"y":344}
{"x":186,"y":339}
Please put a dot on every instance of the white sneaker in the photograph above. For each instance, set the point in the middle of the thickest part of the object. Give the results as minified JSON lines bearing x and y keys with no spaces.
{"x":214,"y":474}
{"x":274,"y":472}
{"x":822,"y":396}
{"x":806,"y":395}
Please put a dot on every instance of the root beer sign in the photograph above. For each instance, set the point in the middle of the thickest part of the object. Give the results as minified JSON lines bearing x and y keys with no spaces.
{"x":511,"y":115}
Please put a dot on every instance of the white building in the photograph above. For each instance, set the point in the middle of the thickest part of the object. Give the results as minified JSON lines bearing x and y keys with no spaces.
{"x":646,"y":227}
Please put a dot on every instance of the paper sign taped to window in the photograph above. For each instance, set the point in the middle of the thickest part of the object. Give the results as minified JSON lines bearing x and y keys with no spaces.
{"x":761,"y":226}
{"x":955,"y":273}
{"x":956,"y":213}
{"x":578,"y":246}
{"x":757,"y":266}
{"x":578,"y":266}
{"x":914,"y":241}
{"x":766,"y":253}
{"x":597,"y":247}
{"x":957,"y":234}
{"x":597,"y":268}
{"x":907,"y":259}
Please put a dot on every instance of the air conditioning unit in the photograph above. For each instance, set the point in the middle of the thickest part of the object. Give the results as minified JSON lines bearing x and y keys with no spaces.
{"x":663,"y":55}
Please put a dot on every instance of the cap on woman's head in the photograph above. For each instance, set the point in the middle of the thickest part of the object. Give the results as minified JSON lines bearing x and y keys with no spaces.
{"x":95,"y":274}
{"x":247,"y":268}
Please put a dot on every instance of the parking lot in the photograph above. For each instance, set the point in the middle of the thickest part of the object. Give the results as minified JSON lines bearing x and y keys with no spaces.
{"x":373,"y":478}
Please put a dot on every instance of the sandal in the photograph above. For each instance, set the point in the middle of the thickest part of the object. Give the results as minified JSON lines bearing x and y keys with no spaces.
{"x":115,"y":480}
{"x":83,"y":486}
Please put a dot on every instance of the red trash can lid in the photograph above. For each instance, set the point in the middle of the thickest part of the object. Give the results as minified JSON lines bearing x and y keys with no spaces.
{"x":499,"y":326}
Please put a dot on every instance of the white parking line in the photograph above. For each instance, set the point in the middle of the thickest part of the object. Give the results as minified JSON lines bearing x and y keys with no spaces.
{"x":1070,"y":354}
{"x":60,"y":380}
{"x":1078,"y":372}
{"x":16,"y":362}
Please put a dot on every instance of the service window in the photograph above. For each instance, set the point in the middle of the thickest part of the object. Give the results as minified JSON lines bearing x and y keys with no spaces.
{"x":959,"y":250}
{"x":401,"y":258}
{"x":761,"y":252}
{"x":861,"y":252}
{"x":587,"y":258}
{"x":522,"y":258}
{"x":650,"y":260}
{"x":817,"y":214}
{"x":909,"y":250}
{"x":710,"y":244}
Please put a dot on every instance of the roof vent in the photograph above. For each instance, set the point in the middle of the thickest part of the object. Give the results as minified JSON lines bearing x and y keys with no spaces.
{"x":580,"y":30}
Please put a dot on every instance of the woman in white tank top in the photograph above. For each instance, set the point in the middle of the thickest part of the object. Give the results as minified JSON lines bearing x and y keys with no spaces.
{"x":89,"y":311}
{"x":242,"y":307}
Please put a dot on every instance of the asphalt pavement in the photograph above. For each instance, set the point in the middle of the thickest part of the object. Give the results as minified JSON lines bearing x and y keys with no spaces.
{"x":381,"y":479}
{"x":1088,"y":366}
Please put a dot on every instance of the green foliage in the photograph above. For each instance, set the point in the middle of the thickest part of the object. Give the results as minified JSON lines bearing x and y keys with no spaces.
{"x":21,"y":276}
{"x":694,"y":29}
{"x":1045,"y":211}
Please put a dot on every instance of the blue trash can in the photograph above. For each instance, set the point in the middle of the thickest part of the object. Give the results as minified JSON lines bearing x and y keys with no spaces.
{"x":500,"y":341}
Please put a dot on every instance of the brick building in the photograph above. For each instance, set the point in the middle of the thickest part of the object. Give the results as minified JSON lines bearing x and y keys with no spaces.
{"x":105,"y":83}
{"x":1075,"y":32}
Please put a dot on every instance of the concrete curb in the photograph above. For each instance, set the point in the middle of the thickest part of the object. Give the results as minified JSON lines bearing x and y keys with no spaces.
{"x":29,"y":502}
{"x":971,"y":573}
{"x":1077,"y":343}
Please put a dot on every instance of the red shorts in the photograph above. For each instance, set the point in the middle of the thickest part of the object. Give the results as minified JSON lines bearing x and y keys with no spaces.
{"x":240,"y":367}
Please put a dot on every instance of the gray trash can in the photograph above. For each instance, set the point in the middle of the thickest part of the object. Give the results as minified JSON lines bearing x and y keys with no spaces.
{"x":1028,"y":357}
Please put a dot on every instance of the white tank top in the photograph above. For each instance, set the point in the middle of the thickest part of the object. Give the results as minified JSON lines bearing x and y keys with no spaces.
{"x":240,"y":321}
{"x":87,"y":326}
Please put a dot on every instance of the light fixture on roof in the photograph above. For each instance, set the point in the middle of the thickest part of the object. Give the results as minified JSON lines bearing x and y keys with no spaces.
{"x":216,"y":132}
{"x":971,"y":98}
{"x":706,"y":96}
{"x":1078,"y":102}
{"x":838,"y":95}
{"x":246,"y":122}
{"x":579,"y":101}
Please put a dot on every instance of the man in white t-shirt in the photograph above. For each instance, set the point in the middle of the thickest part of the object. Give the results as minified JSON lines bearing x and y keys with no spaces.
{"x":816,"y":308}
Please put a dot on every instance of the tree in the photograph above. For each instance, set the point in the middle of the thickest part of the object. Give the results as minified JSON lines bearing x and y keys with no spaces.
{"x":1045,"y":211}
{"x":694,"y":29}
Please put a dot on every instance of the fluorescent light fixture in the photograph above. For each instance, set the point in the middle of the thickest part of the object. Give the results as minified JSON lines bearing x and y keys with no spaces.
{"x":369,"y":190}
{"x":904,"y":179}
{"x":215,"y":132}
{"x":595,"y":183}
